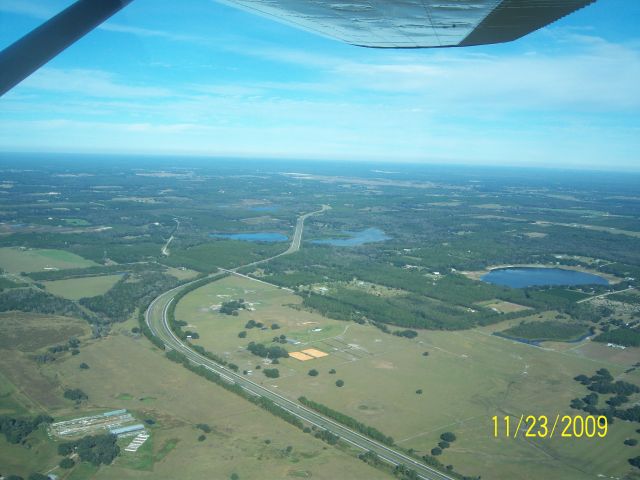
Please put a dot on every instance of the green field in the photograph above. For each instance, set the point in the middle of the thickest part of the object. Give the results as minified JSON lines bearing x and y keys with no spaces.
{"x":468,"y":377}
{"x":552,"y":330}
{"x":31,"y":331}
{"x":16,"y":260}
{"x":126,"y":372}
{"x":76,"y":288}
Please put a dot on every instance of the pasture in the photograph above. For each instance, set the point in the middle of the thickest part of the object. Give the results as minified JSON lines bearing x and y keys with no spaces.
{"x":76,"y":288}
{"x":16,"y":259}
{"x":127,"y":372}
{"x":468,"y":377}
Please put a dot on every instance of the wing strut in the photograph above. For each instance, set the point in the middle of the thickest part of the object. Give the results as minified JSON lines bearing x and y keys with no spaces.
{"x":36,"y":48}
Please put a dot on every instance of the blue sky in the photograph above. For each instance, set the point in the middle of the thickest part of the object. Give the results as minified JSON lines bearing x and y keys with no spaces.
{"x":198,"y":77}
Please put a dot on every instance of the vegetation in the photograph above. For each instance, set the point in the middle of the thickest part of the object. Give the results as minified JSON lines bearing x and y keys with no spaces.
{"x":629,"y":337}
{"x":272,"y":352}
{"x":232,"y":307}
{"x":95,"y":449}
{"x":75,"y":394}
{"x":271,"y":372}
{"x":16,"y":430}
{"x":348,"y":421}
{"x":546,"y":331}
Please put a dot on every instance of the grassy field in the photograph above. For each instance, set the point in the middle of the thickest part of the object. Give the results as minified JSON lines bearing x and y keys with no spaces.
{"x":76,"y":288}
{"x":126,"y":372}
{"x":16,"y":260}
{"x":29,"y":332}
{"x":468,"y":377}
{"x":502,"y":306}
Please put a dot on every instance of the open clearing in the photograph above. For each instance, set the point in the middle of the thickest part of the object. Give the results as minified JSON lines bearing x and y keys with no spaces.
{"x":29,"y":332}
{"x":76,"y":288}
{"x":16,"y":260}
{"x":468,"y":377}
{"x":502,"y":306}
{"x":124,"y":373}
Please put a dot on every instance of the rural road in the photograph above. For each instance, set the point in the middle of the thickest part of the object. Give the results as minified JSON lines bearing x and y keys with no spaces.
{"x":157,"y":321}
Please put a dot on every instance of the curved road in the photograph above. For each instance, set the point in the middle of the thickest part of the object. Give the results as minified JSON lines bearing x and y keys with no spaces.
{"x":156,"y":318}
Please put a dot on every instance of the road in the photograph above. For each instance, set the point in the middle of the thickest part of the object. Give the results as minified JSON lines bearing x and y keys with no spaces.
{"x":157,"y":320}
{"x":602,"y":295}
{"x":165,"y":249}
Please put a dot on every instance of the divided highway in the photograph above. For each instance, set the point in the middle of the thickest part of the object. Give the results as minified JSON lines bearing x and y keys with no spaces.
{"x":158,"y":323}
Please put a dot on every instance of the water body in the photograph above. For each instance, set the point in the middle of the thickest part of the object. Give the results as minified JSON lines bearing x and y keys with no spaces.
{"x":253,"y":237}
{"x":521,"y":277}
{"x":369,"y":235}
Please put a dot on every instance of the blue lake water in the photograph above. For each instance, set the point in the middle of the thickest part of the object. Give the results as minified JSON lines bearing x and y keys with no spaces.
{"x":253,"y":237}
{"x":369,"y":235}
{"x":521,"y":277}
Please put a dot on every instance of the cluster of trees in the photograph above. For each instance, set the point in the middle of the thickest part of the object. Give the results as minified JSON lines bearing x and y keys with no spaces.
{"x":75,"y":394}
{"x":253,"y":324}
{"x":263,"y":351}
{"x":95,"y":449}
{"x":122,"y":299}
{"x":446,"y":439}
{"x":348,"y":421}
{"x":232,"y":307}
{"x":16,"y":430}
{"x":602,"y":382}
{"x":32,"y":300}
{"x":50,"y":275}
{"x":546,"y":330}
{"x":627,"y":336}
{"x":280,"y":339}
{"x":327,"y":437}
{"x":271,"y":372}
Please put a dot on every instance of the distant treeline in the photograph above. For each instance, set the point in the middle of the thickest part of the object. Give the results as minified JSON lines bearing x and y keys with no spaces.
{"x":51,"y":275}
{"x":16,"y":430}
{"x":129,"y":292}
{"x":33,"y":300}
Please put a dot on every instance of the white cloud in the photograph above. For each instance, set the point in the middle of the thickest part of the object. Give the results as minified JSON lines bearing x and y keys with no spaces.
{"x":88,"y":83}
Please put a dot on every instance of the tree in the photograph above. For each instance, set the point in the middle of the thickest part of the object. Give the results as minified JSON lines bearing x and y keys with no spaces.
{"x":234,"y":476}
{"x":419,"y":391}
{"x":75,"y":394}
{"x":442,"y":444}
{"x":313,"y":372}
{"x":84,"y":366}
{"x":631,"y":442}
{"x":66,"y":463}
{"x":242,"y":334}
{"x":202,"y":438}
{"x":448,"y":437}
{"x":135,"y":330}
{"x":275,"y":326}
{"x":339,"y":383}
{"x":425,"y":354}
{"x":435,"y":451}
{"x":38,"y":476}
{"x":204,"y":427}
{"x":332,"y":371}
{"x":271,"y":372}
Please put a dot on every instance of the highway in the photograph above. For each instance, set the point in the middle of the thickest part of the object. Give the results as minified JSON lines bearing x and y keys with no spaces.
{"x":157,"y":321}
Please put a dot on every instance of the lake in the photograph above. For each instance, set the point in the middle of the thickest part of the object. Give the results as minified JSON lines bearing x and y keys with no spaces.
{"x":253,"y":237}
{"x":521,"y":277}
{"x":369,"y":235}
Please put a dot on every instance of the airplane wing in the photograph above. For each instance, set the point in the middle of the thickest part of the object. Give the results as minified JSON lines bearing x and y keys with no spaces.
{"x":415,"y":23}
{"x":366,"y":23}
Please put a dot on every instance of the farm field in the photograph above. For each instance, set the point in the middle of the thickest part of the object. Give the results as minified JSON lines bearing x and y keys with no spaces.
{"x":76,"y":288}
{"x":29,"y":332}
{"x":468,"y":377}
{"x":16,"y":260}
{"x":124,"y":373}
